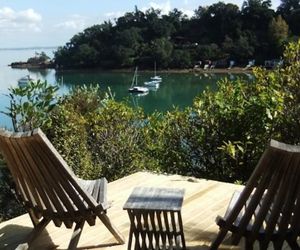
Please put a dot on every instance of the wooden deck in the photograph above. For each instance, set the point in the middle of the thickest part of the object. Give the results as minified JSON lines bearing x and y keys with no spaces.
{"x":203,"y":201}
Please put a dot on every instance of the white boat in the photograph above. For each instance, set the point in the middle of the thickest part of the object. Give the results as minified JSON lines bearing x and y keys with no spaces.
{"x":152,"y":88}
{"x":23,"y":81}
{"x":134,"y":87}
{"x":152,"y":83}
{"x":138,"y":89}
{"x":155,"y":77}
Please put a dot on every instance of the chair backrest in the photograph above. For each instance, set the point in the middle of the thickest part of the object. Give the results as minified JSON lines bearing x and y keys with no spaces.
{"x":43,"y":179}
{"x":272,"y":195}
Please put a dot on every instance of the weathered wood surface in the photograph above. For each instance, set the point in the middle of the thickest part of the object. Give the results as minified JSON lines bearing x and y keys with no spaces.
{"x":151,"y":198}
{"x":203,"y":201}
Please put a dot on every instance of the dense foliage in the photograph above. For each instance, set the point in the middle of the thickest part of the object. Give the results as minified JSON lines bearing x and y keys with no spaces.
{"x":39,"y":58}
{"x":219,"y":32}
{"x":9,"y":206}
{"x":220,"y":137}
{"x":97,"y":135}
{"x":30,"y":105}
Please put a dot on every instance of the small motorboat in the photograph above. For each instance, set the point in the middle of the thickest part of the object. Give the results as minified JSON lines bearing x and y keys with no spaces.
{"x":23,"y":81}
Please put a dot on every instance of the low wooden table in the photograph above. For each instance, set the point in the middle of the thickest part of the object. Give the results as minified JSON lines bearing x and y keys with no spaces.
{"x":155,"y":218}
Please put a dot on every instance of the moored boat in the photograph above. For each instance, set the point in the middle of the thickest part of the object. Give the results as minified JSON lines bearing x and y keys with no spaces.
{"x":138,"y":89}
{"x":23,"y":81}
{"x":152,"y":83}
{"x":134,"y":87}
{"x":155,"y":77}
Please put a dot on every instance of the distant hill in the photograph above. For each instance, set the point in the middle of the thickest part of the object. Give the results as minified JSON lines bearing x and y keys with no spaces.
{"x":32,"y":48}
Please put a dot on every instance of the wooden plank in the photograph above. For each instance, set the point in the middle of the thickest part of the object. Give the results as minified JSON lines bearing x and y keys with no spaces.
{"x":149,"y":198}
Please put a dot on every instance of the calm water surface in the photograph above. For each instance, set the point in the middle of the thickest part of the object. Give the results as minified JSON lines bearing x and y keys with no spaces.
{"x":176,"y":89}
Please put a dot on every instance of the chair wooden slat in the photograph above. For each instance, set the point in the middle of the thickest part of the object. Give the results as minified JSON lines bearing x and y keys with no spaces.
{"x":268,"y":209}
{"x":20,"y":184}
{"x":28,"y":185}
{"x":52,"y":178}
{"x":49,"y":189}
{"x":62,"y":174}
{"x":52,"y":205}
{"x":64,"y":170}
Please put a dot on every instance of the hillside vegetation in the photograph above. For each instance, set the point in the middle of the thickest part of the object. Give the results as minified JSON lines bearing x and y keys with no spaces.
{"x":219,"y":32}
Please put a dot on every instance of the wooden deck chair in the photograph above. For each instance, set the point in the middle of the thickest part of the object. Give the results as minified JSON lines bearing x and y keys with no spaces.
{"x":268,"y":208}
{"x":49,"y":190}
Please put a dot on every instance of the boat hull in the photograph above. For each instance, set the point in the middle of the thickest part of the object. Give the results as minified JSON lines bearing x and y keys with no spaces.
{"x":138,"y":89}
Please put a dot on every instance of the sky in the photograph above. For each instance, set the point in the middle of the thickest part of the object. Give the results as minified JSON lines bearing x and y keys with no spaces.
{"x":37,"y":23}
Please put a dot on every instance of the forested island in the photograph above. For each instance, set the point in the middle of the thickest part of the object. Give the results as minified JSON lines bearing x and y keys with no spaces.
{"x":218,"y":33}
{"x":39,"y":61}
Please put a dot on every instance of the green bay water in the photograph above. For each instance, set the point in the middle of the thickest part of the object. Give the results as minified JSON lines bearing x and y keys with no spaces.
{"x":176,"y":89}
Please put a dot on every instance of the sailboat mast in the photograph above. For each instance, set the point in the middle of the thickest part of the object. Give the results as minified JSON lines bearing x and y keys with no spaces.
{"x":134,"y":79}
{"x":136,"y":76}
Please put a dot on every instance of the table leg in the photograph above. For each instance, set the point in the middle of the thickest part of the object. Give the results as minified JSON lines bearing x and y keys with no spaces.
{"x":181,"y":230}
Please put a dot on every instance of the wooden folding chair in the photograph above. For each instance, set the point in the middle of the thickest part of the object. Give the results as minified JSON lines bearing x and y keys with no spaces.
{"x":268,"y":208}
{"x":49,"y":190}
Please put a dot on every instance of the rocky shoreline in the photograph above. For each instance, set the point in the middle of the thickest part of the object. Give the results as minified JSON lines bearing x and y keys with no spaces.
{"x":51,"y":65}
{"x":26,"y":65}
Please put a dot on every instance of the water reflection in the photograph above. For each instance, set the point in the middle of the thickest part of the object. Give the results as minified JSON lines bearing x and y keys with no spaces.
{"x":40,"y":73}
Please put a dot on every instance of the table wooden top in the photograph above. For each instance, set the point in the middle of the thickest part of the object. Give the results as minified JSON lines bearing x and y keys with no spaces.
{"x":151,"y":198}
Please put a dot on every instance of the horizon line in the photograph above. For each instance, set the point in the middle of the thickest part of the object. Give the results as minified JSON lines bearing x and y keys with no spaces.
{"x":32,"y":47}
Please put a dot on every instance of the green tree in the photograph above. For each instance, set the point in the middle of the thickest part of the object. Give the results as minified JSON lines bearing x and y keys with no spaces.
{"x":290,"y":10}
{"x":278,"y":34}
{"x":256,"y":16}
{"x":161,"y":50}
{"x":39,"y":58}
{"x":181,"y":59}
{"x":209,"y":52}
{"x":240,"y":50}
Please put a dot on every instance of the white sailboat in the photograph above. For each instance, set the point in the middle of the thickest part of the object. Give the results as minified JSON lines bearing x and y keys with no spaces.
{"x":154,"y":80}
{"x":152,"y":83}
{"x":155,"y":77}
{"x":134,"y":87}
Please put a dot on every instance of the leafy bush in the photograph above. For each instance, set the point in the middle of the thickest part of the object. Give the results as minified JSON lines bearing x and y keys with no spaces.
{"x":31,"y":104}
{"x":9,"y":206}
{"x":226,"y":131}
{"x":116,"y":140}
{"x":234,"y":125}
{"x":98,"y":136}
{"x":170,"y":141}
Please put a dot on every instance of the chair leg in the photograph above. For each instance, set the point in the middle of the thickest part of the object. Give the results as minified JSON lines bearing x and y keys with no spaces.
{"x":248,"y":244}
{"x":263,"y":245}
{"x":114,"y":231}
{"x":293,"y":244}
{"x":278,"y":244}
{"x":221,"y":235}
{"x":76,"y":235}
{"x":34,"y":233}
{"x":34,"y":219}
